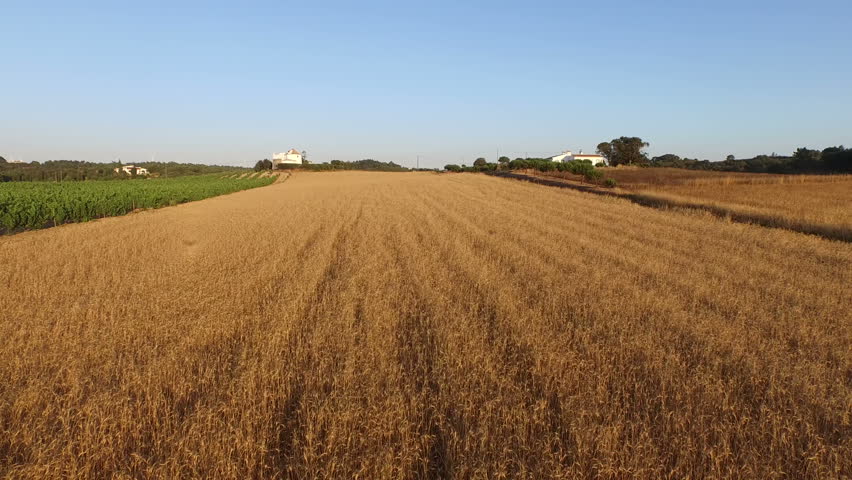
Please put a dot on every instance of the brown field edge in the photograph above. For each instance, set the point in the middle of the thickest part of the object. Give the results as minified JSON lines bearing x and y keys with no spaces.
{"x":830,"y":232}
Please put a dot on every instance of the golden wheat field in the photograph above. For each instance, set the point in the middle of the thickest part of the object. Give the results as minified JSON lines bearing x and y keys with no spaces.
{"x":828,"y":203}
{"x":416,"y":325}
{"x":824,"y":200}
{"x":645,"y":177}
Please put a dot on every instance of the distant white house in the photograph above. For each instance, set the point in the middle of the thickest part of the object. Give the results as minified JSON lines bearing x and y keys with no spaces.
{"x":562,"y":156}
{"x":129,"y":169}
{"x":568,"y":156}
{"x":291,"y":157}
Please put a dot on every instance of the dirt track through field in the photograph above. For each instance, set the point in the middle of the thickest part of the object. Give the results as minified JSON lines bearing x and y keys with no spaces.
{"x":390,"y":325}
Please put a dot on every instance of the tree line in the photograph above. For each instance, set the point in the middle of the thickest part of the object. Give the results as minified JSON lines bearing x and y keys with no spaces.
{"x":367,"y":164}
{"x":631,"y":151}
{"x":618,"y":151}
{"x":803,"y":160}
{"x":76,"y":170}
{"x":583,"y":168}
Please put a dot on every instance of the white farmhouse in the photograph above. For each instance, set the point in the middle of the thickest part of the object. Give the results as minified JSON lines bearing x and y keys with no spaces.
{"x":568,"y":156}
{"x":291,"y":157}
{"x":128,"y":169}
{"x":562,"y":156}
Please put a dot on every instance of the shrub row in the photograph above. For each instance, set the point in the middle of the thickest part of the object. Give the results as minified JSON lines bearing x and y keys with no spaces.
{"x":577,"y":167}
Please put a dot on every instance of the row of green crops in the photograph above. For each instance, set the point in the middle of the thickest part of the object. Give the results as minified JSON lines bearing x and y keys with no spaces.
{"x":29,"y":205}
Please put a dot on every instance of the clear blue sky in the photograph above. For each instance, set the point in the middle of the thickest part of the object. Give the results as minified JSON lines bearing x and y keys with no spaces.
{"x":450,"y":81}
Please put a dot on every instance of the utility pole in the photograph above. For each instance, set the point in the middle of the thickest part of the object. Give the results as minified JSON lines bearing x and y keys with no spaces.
{"x":418,"y":162}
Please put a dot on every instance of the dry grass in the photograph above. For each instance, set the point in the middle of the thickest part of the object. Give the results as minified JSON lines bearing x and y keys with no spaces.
{"x":827,"y":204}
{"x":640,"y":178}
{"x":814,"y":204}
{"x":816,"y":199}
{"x":423,"y":326}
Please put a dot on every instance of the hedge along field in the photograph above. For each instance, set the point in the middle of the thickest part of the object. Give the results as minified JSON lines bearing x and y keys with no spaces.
{"x":31,"y":205}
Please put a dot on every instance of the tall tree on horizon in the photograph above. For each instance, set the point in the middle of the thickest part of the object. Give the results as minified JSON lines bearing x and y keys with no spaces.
{"x":624,"y":151}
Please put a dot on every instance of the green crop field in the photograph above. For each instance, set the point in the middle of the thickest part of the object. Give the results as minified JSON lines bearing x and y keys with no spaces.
{"x":31,"y":205}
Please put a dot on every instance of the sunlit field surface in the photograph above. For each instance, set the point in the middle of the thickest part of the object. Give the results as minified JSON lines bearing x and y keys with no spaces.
{"x":815,"y":204}
{"x":818,"y":199}
{"x":827,"y":203}
{"x":416,"y":325}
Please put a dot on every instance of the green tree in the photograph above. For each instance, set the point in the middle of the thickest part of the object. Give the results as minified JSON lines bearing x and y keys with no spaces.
{"x":452,"y":168}
{"x":479,"y":162}
{"x":624,"y":151}
{"x":730,"y":158}
{"x":605,"y":149}
{"x":503,"y":160}
{"x":667,"y":158}
{"x":807,"y":159}
{"x":837,"y":159}
{"x":264,"y":164}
